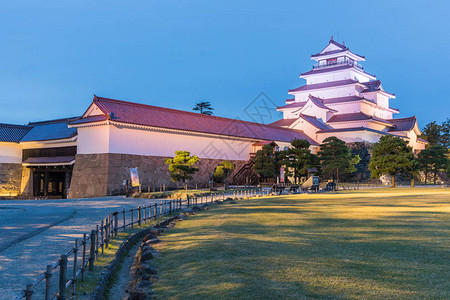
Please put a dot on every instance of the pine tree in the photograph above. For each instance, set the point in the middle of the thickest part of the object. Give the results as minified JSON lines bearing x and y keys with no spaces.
{"x":298,"y":159}
{"x":433,"y":159}
{"x":204,"y":107}
{"x":391,"y":156}
{"x":181,"y":166}
{"x":336,"y":158}
{"x":223,"y":170}
{"x":265,"y":162}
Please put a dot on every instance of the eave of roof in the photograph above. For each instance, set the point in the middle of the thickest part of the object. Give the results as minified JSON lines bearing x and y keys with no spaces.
{"x":334,"y":69}
{"x":359,"y":129}
{"x":356,"y":117}
{"x":324,"y":85}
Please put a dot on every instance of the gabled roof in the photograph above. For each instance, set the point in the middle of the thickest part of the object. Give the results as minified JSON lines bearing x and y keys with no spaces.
{"x":323,"y":85}
{"x":318,"y":102}
{"x":340,"y":49}
{"x":13,"y":133}
{"x":356,"y":117}
{"x":50,"y":130}
{"x":314,"y":121}
{"x":374,"y":86}
{"x":153,"y":116}
{"x":404,"y":124}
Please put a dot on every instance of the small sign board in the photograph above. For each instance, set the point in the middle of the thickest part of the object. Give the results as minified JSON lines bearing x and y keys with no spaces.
{"x":134,"y":177}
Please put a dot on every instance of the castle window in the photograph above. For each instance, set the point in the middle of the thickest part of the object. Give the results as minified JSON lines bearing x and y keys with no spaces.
{"x":332,"y":61}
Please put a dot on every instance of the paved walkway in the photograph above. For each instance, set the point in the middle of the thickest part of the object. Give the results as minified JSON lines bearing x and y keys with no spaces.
{"x":32,"y":242}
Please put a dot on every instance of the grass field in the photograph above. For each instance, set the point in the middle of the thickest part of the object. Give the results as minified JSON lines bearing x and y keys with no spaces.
{"x":372,"y":244}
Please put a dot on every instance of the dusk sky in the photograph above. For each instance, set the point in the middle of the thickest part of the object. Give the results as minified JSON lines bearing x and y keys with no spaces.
{"x":54,"y":55}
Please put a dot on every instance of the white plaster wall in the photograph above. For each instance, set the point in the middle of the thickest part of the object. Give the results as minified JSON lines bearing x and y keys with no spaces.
{"x":145,"y":142}
{"x":341,"y":91}
{"x":335,"y":76}
{"x":306,"y":127}
{"x":10,"y":153}
{"x":352,"y":136}
{"x":346,"y":108}
{"x":93,"y":140}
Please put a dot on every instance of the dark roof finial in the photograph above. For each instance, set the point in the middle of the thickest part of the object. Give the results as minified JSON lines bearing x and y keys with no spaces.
{"x":331,"y":39}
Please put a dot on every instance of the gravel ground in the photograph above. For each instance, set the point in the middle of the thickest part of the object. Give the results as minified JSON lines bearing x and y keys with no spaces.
{"x":22,"y":262}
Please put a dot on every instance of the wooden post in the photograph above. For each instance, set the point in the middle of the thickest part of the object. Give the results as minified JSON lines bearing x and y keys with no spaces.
{"x":83,"y":256}
{"x":96,"y":242}
{"x":92,"y":251}
{"x":101,"y":232}
{"x":156,"y":211}
{"x":170,"y":206}
{"x":123,"y":215}
{"x":48,"y":277}
{"x":106,"y":232}
{"x":160,"y":209}
{"x":62,"y":277}
{"x":131,"y":217}
{"x":116,"y":222}
{"x":74,"y":273}
{"x":145,"y":220}
{"x":139,"y":216}
{"x":29,"y":291}
{"x":187,"y":197}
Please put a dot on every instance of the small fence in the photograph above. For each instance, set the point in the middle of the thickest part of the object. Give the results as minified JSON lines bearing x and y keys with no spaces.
{"x":72,"y":266}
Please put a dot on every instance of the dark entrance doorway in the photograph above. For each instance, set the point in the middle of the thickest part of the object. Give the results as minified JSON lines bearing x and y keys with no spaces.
{"x":51,"y":182}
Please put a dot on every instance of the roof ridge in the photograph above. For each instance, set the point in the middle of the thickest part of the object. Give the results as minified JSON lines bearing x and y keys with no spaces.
{"x":15,"y":125}
{"x":54,"y":121}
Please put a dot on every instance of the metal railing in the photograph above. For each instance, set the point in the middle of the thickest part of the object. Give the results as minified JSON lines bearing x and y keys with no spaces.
{"x":345,"y":62}
{"x":86,"y":250}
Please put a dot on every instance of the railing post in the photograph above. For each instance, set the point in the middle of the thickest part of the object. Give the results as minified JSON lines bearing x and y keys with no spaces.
{"x":187,"y":197}
{"x":131,"y":217}
{"x":29,"y":292}
{"x":116,"y":222}
{"x":83,"y":256}
{"x":62,"y":277}
{"x":145,"y":220}
{"x":106,"y":232}
{"x":170,"y":206}
{"x":96,"y":242}
{"x":48,"y":277}
{"x":155,"y":215}
{"x":123,"y":215}
{"x":101,"y":232}
{"x":139,"y":216}
{"x":160,"y":209}
{"x":92,"y":251}
{"x":74,"y":273}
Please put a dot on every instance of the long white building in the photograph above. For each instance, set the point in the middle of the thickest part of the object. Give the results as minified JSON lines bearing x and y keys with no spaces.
{"x":91,"y":155}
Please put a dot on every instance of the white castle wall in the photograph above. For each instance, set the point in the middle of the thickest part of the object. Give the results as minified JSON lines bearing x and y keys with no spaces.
{"x":10,"y":153}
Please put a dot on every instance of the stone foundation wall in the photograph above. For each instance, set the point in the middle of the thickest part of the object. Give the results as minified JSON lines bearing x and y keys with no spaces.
{"x":96,"y":175}
{"x":10,"y":179}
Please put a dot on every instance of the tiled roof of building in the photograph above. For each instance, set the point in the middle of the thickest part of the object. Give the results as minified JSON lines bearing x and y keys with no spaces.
{"x":404,"y":124}
{"x":324,"y":85}
{"x":49,"y":160}
{"x":342,"y":47}
{"x":326,"y":101}
{"x":13,"y":133}
{"x":319,"y":102}
{"x":332,"y":130}
{"x":333,"y":69}
{"x":355,"y":117}
{"x":292,"y":105}
{"x":147,"y":115}
{"x":315,"y":122}
{"x":50,"y":130}
{"x":283,"y":122}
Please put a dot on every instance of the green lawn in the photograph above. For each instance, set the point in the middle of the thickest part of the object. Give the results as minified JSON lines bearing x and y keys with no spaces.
{"x":374,"y":244}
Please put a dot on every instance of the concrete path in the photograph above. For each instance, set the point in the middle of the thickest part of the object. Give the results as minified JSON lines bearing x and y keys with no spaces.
{"x":34,"y":233}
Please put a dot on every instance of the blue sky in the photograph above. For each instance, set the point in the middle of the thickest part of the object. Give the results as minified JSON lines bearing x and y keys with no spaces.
{"x":54,"y":55}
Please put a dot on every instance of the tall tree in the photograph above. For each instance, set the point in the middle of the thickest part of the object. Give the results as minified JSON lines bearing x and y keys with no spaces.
{"x":336,"y":158}
{"x":265,"y":162}
{"x":445,"y":134}
{"x":433,"y":159}
{"x":391,"y":156}
{"x":362,"y":167}
{"x":223,"y":170}
{"x":432,"y":133}
{"x":298,"y":158}
{"x":204,"y":107}
{"x":181,"y":166}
